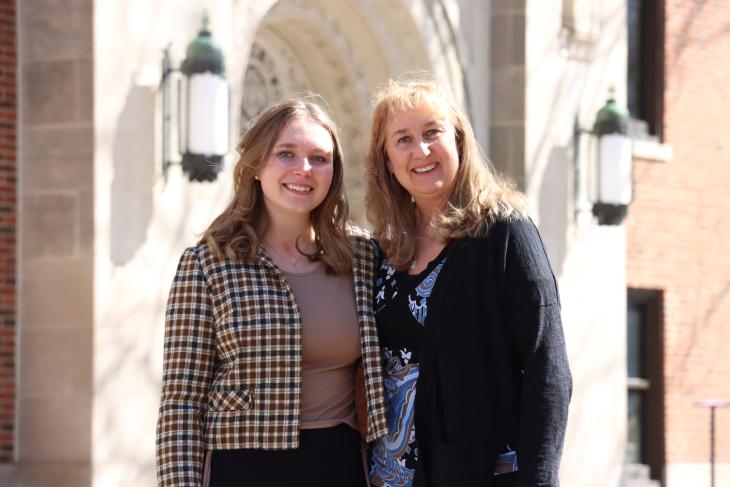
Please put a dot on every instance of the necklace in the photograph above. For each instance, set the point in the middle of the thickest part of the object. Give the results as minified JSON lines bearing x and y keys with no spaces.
{"x":427,"y":251}
{"x":292,"y":262}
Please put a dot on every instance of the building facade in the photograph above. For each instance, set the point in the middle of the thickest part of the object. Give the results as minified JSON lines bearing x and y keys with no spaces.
{"x":100,"y":225}
{"x":678,"y":266}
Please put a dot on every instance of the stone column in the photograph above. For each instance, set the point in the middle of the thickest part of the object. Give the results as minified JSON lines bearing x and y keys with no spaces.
{"x":56,"y":242}
{"x":507,"y":89}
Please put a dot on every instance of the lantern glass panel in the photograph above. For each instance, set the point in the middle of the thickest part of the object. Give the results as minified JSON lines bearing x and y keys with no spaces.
{"x":207,"y":114}
{"x":614,"y":159}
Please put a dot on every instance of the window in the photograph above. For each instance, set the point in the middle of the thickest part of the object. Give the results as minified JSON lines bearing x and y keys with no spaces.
{"x":645,"y":442}
{"x":645,"y":83}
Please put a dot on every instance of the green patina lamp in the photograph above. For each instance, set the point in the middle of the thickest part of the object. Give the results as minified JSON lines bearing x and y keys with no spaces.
{"x":614,"y":185}
{"x":613,"y":191}
{"x":204,"y":108}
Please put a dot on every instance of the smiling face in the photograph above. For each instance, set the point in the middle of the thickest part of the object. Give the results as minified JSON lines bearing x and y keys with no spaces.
{"x":422,"y":155}
{"x":297,"y":176}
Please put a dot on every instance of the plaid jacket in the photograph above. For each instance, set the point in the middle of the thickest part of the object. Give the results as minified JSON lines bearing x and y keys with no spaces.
{"x":232,"y":360}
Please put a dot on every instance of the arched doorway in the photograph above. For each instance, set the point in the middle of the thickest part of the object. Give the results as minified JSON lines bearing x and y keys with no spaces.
{"x":342,"y":50}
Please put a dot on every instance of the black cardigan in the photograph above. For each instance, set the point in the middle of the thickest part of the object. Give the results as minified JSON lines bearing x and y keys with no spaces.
{"x":494,"y":372}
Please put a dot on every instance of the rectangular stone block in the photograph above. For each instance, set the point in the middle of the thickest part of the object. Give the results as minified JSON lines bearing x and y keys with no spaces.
{"x":507,"y":95}
{"x":501,"y":37}
{"x":58,"y":158}
{"x":56,"y":29}
{"x":85,"y":91}
{"x":499,"y":148}
{"x":517,"y":151}
{"x":70,"y":474}
{"x":86,"y":225}
{"x":49,"y":225}
{"x":49,"y":94}
{"x":518,"y":39}
{"x":507,"y":151}
{"x":501,"y":6}
{"x":57,"y":293}
{"x":54,"y":428}
{"x":55,"y":361}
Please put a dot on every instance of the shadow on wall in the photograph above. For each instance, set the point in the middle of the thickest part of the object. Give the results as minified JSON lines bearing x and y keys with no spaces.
{"x":134,"y":169}
{"x":553,"y":203}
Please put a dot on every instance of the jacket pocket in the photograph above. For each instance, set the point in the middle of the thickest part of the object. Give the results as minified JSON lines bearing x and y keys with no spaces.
{"x":240,"y":400}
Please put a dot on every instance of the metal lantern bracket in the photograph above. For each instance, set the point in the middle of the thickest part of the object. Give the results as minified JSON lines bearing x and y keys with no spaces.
{"x":167,"y":71}
{"x":578,"y":130}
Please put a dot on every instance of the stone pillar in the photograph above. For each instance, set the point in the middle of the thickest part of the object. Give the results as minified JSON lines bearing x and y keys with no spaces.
{"x":507,"y":89}
{"x":56,"y":242}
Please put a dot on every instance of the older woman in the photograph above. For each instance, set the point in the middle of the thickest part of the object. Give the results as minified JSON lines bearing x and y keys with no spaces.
{"x":477,"y":380}
{"x":267,"y":319}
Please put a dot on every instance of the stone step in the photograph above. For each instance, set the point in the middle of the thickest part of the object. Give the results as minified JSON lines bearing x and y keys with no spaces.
{"x":637,"y":475}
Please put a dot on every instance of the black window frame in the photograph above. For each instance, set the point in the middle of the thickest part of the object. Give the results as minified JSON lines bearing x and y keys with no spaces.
{"x":649,"y":82}
{"x":650,"y":302}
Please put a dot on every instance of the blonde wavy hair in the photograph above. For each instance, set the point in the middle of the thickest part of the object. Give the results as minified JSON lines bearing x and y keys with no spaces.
{"x":236,"y":233}
{"x":478,"y":198}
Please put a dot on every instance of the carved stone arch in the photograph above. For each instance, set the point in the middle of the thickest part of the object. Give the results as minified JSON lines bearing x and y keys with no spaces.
{"x":422,"y":35}
{"x":342,"y":50}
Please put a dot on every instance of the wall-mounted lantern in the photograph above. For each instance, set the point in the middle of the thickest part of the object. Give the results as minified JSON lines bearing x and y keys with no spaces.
{"x":202,"y":108}
{"x":613,"y":191}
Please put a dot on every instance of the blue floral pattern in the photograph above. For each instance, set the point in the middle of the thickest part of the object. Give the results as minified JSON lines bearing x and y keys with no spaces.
{"x":401,"y":322}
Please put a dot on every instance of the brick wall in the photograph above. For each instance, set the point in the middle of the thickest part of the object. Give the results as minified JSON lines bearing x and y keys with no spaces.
{"x":8,"y":133}
{"x":679,"y":226}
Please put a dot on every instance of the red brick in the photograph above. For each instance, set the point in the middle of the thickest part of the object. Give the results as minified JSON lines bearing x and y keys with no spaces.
{"x":8,"y":182}
{"x":678,"y":230}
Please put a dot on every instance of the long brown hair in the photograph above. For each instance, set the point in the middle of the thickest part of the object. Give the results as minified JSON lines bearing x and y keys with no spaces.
{"x":478,"y":198}
{"x":233,"y":234}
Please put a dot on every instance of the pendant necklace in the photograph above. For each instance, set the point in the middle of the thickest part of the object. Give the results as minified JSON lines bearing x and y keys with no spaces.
{"x":292,"y":262}
{"x":424,"y":251}
{"x":414,"y":262}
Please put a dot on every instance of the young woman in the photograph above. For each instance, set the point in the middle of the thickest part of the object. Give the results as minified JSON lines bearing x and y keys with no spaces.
{"x":477,"y":380}
{"x":266,"y":320}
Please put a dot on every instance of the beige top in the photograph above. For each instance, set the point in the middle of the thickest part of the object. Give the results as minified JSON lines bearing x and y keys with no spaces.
{"x":330,"y":347}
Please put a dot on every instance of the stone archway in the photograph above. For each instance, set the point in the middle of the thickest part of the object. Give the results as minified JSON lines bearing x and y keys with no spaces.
{"x":342,"y":50}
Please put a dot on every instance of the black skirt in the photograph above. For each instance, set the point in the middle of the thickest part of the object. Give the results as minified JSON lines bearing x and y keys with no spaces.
{"x":327,"y":457}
